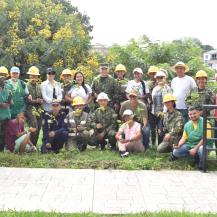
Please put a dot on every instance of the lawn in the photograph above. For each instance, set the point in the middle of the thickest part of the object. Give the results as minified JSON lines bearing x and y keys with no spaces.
{"x":148,"y":214}
{"x":95,"y":159}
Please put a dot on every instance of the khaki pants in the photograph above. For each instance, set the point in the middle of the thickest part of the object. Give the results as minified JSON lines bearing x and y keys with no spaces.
{"x":131,"y":147}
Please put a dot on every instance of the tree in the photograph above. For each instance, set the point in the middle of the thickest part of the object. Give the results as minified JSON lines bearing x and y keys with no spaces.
{"x":44,"y":33}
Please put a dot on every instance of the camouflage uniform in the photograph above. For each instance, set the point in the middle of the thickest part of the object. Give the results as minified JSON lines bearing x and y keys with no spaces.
{"x":80,"y":138}
{"x":66,"y":105}
{"x":108,"y":119}
{"x":122,"y":85}
{"x":107,"y":85}
{"x":199,"y":97}
{"x":34,"y":111}
{"x":172,"y":124}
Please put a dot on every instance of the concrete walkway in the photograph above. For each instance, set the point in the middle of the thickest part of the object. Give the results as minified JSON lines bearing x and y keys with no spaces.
{"x":104,"y":191}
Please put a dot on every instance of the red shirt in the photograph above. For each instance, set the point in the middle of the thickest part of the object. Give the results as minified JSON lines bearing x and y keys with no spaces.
{"x":11,"y":130}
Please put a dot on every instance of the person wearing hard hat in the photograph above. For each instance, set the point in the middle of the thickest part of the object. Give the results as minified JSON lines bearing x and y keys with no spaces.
{"x":50,"y":90}
{"x":55,"y":132}
{"x":151,"y":73}
{"x":120,"y":71}
{"x":182,"y":85}
{"x":141,"y":114}
{"x":191,"y":143}
{"x":107,"y":84}
{"x":129,"y":135}
{"x":34,"y":108}
{"x":158,"y":93}
{"x":81,"y":89}
{"x":4,"y":71}
{"x":104,"y":123}
{"x":20,"y":92}
{"x":78,"y":123}
{"x":5,"y":113}
{"x":172,"y":125}
{"x":201,"y":94}
{"x":67,"y":84}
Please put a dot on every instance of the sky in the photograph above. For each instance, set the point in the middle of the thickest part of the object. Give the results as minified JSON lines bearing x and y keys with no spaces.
{"x":117,"y":21}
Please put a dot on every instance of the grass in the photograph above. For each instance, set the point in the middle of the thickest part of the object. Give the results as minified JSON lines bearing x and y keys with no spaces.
{"x":147,"y":214}
{"x":95,"y":159}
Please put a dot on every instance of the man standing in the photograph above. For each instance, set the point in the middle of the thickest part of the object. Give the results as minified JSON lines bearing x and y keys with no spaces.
{"x":107,"y":84}
{"x":34,"y":108}
{"x":5,"y":114}
{"x":182,"y":85}
{"x":78,"y":123}
{"x":191,"y":143}
{"x":55,"y":131}
{"x":19,"y":90}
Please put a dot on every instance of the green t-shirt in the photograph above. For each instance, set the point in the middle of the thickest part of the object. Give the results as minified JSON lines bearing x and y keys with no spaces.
{"x":4,"y":96}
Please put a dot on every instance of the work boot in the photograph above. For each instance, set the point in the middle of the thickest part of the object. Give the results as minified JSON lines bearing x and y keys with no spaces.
{"x":124,"y":153}
{"x":172,"y":157}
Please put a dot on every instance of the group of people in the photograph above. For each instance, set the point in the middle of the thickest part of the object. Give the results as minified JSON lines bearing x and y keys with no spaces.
{"x":111,"y":112}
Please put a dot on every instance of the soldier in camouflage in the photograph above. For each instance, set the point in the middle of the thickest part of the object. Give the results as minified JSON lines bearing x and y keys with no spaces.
{"x":201,"y":94}
{"x":67,"y":84}
{"x":34,"y":108}
{"x":172,"y":125}
{"x":107,"y":84}
{"x":104,"y":123}
{"x":78,"y":123}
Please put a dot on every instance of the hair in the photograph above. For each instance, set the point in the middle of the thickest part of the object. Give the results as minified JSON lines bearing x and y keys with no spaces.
{"x":192,"y":108}
{"x":83,"y":84}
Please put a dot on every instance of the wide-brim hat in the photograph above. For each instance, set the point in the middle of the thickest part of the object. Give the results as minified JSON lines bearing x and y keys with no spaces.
{"x":180,"y":64}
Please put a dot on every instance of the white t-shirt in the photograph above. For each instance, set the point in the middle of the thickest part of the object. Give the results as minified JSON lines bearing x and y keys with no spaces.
{"x":181,"y":87}
{"x":136,"y":86}
{"x":79,"y":91}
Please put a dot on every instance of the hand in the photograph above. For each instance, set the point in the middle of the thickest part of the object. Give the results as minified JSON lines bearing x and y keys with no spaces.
{"x":143,"y":128}
{"x":175,"y":146}
{"x":39,"y":101}
{"x":51,"y":134}
{"x":32,"y":130}
{"x":193,"y":152}
{"x":167,"y":137}
{"x":124,"y":140}
{"x":5,"y":105}
{"x":29,"y":97}
{"x":99,"y":126}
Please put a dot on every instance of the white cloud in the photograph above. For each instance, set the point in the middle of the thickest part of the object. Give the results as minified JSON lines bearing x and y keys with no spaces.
{"x":117,"y":21}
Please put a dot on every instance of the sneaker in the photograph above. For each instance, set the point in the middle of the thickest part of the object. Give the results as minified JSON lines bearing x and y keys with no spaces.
{"x":172,"y":158}
{"x":125,"y":154}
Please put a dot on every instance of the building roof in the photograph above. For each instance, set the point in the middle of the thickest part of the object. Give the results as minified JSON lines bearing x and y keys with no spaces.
{"x":211,"y":52}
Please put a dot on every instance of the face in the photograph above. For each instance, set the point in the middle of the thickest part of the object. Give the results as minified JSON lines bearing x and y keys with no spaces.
{"x":152,"y":74}
{"x":133,"y":98}
{"x":194,"y":115}
{"x":79,"y":78}
{"x":169,"y":104}
{"x":50,"y":76}
{"x":3,"y":74}
{"x":159,"y":79}
{"x":66,"y":78}
{"x":128,"y":118}
{"x":33,"y":78}
{"x":201,"y":82}
{"x":138,"y":76}
{"x":103,"y":102}
{"x":120,"y":74}
{"x":21,"y":118}
{"x":104,"y":72}
{"x":55,"y":108}
{"x":180,"y":71}
{"x":15,"y":75}
{"x":80,"y":107}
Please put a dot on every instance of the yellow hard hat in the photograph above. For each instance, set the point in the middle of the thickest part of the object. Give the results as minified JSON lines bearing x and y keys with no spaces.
{"x":78,"y":101}
{"x":4,"y":70}
{"x":33,"y":71}
{"x":201,"y":74}
{"x":120,"y":67}
{"x":168,"y":97}
{"x":153,"y":69}
{"x":66,"y":72}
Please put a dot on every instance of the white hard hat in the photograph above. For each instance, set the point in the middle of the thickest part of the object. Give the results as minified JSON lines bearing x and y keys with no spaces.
{"x":128,"y":112}
{"x":139,"y":70}
{"x":160,"y":74}
{"x":102,"y":95}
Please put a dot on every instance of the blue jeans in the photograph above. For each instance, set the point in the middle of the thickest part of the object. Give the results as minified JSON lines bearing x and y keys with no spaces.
{"x":183,"y":151}
{"x":145,"y":136}
{"x":184,"y":115}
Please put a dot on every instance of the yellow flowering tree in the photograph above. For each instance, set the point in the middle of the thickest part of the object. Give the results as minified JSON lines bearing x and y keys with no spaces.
{"x":45,"y":33}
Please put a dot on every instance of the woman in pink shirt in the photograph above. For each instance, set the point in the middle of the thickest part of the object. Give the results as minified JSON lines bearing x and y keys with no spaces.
{"x":129,"y":135}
